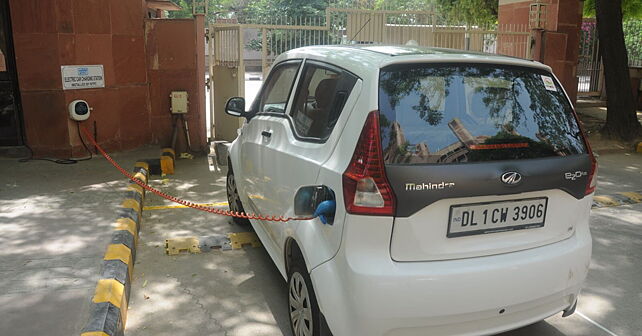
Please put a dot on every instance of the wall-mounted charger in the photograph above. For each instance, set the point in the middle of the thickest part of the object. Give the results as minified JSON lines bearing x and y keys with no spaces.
{"x":79,"y":110}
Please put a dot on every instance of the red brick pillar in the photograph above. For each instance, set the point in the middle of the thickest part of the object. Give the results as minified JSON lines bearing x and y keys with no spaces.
{"x":557,"y":43}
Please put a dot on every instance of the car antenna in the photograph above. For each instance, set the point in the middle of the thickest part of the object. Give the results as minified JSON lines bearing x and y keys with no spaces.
{"x":360,"y":29}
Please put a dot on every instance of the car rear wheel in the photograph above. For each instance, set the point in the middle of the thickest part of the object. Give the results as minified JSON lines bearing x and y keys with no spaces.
{"x":303,"y":308}
{"x":233,"y":199}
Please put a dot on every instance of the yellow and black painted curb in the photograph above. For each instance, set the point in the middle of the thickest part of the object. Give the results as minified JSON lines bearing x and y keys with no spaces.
{"x":167,"y":159}
{"x":108,"y":313}
{"x":163,"y":165}
{"x":617,"y":199}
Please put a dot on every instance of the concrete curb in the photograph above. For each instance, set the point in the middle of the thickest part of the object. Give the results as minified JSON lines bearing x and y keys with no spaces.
{"x":617,"y":199}
{"x":108,"y":312}
{"x":168,"y":156}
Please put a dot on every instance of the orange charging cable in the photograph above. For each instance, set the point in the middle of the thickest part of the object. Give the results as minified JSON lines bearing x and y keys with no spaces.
{"x":184,"y":202}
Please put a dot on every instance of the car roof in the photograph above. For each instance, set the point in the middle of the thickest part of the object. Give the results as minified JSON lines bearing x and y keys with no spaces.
{"x":364,"y":59}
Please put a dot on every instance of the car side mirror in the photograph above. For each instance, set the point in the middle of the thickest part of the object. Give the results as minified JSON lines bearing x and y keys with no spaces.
{"x":315,"y":201}
{"x":235,"y":107}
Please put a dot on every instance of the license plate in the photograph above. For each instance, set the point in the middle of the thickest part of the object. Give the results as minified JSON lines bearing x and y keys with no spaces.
{"x":500,"y":216}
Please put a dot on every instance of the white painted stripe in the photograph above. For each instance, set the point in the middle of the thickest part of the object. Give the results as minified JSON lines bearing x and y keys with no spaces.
{"x":596,"y":324}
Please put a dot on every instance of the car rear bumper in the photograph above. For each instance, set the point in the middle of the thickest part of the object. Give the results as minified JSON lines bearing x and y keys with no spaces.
{"x":362,"y":291}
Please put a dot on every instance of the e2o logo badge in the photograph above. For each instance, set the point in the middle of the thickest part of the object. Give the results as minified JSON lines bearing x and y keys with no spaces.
{"x":574,"y":176}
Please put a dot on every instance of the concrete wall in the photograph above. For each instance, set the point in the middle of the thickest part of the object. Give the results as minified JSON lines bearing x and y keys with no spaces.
{"x":142,"y":61}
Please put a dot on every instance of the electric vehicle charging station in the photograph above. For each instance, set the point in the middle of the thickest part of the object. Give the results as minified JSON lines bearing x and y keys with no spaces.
{"x":79,"y":110}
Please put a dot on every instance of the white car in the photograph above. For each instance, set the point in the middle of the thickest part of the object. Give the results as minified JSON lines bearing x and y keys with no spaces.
{"x":454,"y":189}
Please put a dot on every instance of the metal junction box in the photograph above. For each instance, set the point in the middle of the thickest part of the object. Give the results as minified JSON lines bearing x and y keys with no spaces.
{"x":179,"y":102}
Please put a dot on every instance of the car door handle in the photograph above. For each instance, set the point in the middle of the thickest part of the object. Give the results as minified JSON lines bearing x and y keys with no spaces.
{"x":266,"y":134}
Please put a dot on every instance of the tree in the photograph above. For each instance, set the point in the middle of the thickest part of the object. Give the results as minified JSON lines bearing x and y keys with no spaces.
{"x":215,"y":7}
{"x":471,"y":12}
{"x":285,"y":12}
{"x":621,"y":119}
{"x":478,"y":12}
{"x":264,"y":11}
{"x":633,"y":38}
{"x":184,"y":13}
{"x":630,"y":8}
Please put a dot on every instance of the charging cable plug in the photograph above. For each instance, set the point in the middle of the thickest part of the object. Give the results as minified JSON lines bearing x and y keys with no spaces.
{"x":325,"y":210}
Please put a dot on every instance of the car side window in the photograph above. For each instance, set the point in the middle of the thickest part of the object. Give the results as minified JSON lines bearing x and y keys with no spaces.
{"x":320,"y":99}
{"x":275,"y":94}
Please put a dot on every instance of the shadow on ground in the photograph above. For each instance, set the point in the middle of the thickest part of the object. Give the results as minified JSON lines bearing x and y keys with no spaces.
{"x":238,"y":292}
{"x":55,"y":222}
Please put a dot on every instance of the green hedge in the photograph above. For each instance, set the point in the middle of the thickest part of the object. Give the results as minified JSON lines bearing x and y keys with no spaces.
{"x":633,"y":40}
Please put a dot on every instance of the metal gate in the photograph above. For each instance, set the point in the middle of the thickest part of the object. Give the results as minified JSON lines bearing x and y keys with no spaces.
{"x":226,"y":78}
{"x":229,"y":43}
{"x":589,"y":68}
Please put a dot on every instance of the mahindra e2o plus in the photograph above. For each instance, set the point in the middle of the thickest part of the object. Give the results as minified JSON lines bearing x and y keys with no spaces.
{"x":455,"y":186}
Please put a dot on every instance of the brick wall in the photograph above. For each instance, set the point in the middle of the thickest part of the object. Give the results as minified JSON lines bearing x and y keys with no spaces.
{"x":143,"y":61}
{"x":51,"y":33}
{"x":172,"y":66}
{"x":558,"y":44}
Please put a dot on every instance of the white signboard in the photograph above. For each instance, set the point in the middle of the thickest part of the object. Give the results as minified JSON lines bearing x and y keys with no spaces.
{"x":76,"y":77}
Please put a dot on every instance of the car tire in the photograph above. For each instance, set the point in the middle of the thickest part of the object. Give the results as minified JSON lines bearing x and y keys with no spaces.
{"x":303,"y":310}
{"x":233,"y":199}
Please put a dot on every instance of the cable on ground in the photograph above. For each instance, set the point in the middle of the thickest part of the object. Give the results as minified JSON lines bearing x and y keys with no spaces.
{"x":184,"y":202}
{"x":59,"y":161}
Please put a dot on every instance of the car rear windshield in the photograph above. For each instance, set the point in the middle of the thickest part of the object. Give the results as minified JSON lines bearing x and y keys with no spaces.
{"x":473,"y":113}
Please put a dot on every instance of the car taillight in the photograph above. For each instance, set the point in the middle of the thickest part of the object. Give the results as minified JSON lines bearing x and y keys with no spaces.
{"x":592,"y":177}
{"x":591,"y":184}
{"x":366,"y":190}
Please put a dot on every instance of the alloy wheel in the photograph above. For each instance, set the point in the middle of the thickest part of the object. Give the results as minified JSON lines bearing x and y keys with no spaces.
{"x":232,"y":194}
{"x":300,"y":307}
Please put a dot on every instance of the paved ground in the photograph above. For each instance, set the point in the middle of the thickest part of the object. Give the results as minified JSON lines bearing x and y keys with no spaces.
{"x":55,"y":223}
{"x":241,"y":293}
{"x":619,"y":172}
{"x":235,"y":292}
{"x":593,"y":119}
